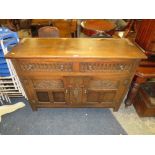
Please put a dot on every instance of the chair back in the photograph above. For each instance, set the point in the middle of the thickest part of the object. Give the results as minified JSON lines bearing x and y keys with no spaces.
{"x":48,"y":31}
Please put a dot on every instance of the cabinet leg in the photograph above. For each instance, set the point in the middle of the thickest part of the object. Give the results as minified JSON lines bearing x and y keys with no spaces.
{"x":115,"y":109}
{"x":133,"y":91}
{"x":35,"y":109}
{"x":33,"y":105}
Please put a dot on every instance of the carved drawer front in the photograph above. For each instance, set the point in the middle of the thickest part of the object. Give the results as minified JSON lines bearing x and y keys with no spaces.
{"x":114,"y":67}
{"x":46,"y":66}
{"x":50,"y":91}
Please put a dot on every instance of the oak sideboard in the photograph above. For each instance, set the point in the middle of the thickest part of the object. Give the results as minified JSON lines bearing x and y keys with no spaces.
{"x":75,"y":72}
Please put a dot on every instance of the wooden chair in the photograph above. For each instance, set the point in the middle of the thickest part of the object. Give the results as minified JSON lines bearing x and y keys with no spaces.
{"x":125,"y":32}
{"x":48,"y":31}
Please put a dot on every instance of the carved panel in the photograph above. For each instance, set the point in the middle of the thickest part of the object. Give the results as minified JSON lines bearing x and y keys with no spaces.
{"x":100,"y":97}
{"x":43,"y":96}
{"x":58,"y":97}
{"x":46,"y":67}
{"x":105,"y":67}
{"x":48,"y":84}
{"x":107,"y":96}
{"x":103,"y":84}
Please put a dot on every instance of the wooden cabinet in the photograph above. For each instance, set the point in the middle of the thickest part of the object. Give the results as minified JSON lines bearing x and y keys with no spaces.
{"x":75,"y":72}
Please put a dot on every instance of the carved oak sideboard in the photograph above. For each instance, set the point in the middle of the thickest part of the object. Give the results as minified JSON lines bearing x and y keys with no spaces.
{"x":80,"y":72}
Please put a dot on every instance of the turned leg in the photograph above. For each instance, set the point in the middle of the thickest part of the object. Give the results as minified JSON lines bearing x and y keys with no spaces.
{"x":133,"y":90}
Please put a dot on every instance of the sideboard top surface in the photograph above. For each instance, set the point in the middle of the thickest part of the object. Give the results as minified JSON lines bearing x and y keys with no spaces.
{"x":76,"y":48}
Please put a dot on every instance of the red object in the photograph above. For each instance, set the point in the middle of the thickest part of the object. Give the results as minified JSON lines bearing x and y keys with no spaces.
{"x":93,"y":27}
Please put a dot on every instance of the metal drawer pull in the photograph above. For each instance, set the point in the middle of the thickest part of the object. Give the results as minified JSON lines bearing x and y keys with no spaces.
{"x":121,"y":67}
{"x":90,"y":67}
{"x":61,"y":67}
{"x":76,"y":92}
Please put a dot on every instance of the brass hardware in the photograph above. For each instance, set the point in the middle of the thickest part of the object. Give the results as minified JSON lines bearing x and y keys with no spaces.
{"x":66,"y":91}
{"x":90,"y":67}
{"x":29,"y":67}
{"x":121,"y":67}
{"x":76,"y":92}
{"x":85,"y":91}
{"x":61,"y":67}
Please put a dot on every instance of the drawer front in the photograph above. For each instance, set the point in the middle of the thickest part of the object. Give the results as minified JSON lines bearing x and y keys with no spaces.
{"x":80,"y":67}
{"x":29,"y":66}
{"x":113,"y":67}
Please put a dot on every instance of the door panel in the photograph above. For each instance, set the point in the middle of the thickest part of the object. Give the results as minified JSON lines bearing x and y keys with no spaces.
{"x":75,"y":86}
{"x":59,"y":96}
{"x":50,"y":91}
{"x":95,"y":97}
{"x":102,"y":90}
{"x":42,"y":96}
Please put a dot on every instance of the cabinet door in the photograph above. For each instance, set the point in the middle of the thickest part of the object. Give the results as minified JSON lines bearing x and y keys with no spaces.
{"x":75,"y":87}
{"x":50,"y":91}
{"x":105,"y":92}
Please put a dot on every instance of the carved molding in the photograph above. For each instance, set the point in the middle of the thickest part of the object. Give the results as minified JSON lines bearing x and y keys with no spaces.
{"x":49,"y":67}
{"x":48,"y":84}
{"x":105,"y":67}
{"x":103,"y":84}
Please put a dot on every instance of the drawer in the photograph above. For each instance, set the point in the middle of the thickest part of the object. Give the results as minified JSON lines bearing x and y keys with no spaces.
{"x":107,"y":66}
{"x":78,"y":66}
{"x":32,"y":66}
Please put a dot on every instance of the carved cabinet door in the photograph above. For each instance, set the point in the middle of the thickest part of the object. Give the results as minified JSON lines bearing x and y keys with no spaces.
{"x":103,"y":91}
{"x":75,"y":85}
{"x":49,"y":91}
{"x":76,"y":91}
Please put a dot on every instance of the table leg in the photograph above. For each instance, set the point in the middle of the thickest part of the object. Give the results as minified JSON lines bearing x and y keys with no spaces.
{"x":133,"y":90}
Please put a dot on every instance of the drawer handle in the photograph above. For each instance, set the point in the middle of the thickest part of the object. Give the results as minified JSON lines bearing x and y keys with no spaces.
{"x":121,"y":67}
{"x":61,"y":67}
{"x":90,"y":67}
{"x":85,"y":91}
{"x":76,"y":92}
{"x":29,"y":67}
